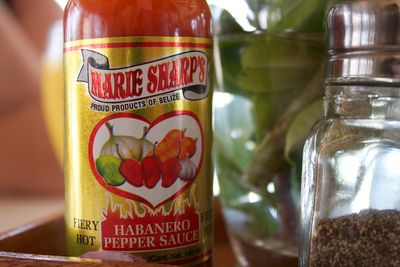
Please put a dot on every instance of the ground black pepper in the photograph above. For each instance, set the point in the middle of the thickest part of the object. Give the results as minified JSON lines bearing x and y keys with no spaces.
{"x":369,"y":238}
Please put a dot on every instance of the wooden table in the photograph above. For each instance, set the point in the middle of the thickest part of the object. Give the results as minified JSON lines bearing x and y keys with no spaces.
{"x":32,"y":233}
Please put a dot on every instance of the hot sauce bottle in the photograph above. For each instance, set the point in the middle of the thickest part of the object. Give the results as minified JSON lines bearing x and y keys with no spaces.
{"x":138,"y":165}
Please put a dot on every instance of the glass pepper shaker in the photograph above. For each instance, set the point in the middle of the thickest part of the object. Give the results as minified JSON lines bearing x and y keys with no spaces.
{"x":351,"y":162}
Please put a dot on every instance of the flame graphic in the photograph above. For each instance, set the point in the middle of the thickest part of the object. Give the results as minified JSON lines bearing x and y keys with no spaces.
{"x":117,"y":207}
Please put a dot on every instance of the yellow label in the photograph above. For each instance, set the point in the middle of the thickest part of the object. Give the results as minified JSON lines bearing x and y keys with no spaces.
{"x":138,"y":140}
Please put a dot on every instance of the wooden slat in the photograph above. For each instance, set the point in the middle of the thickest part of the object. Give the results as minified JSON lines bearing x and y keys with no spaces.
{"x":28,"y":260}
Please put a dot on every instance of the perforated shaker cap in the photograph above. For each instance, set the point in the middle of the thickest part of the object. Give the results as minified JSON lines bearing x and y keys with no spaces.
{"x":364,"y":42}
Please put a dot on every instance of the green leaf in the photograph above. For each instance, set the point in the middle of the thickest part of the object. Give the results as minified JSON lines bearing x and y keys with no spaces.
{"x":233,"y":130}
{"x":226,"y":24}
{"x":297,"y":16}
{"x":233,"y":193}
{"x":301,"y":126}
{"x":229,"y":48}
{"x":274,"y":80}
{"x":273,"y":64}
{"x":267,"y":108}
{"x":108,"y":167}
{"x":274,"y":51}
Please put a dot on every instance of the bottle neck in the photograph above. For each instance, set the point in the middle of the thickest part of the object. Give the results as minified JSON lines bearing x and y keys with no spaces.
{"x":362,"y":102}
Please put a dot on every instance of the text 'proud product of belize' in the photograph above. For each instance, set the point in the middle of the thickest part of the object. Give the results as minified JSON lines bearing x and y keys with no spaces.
{"x":138,"y":129}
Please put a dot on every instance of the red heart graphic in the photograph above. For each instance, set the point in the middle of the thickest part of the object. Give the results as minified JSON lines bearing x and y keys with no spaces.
{"x":128,"y":124}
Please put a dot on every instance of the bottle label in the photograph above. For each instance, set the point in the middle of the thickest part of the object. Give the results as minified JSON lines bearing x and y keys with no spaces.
{"x":138,"y":140}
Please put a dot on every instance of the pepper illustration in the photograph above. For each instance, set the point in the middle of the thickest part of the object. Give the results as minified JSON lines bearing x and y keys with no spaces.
{"x":121,"y":159}
{"x":170,"y":146}
{"x":170,"y":172}
{"x":131,"y":170}
{"x":152,"y":167}
{"x":188,"y":148}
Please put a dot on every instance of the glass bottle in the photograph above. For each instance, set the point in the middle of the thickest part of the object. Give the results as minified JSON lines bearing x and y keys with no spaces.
{"x":351,"y":172}
{"x":138,"y":129}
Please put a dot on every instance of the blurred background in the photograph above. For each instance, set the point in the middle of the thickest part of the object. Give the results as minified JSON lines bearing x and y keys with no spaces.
{"x":29,"y":164}
{"x":31,"y":179}
{"x":269,"y":60}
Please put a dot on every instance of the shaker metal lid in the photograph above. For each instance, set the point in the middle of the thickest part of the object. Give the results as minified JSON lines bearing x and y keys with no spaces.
{"x":364,"y":24}
{"x":364,"y":42}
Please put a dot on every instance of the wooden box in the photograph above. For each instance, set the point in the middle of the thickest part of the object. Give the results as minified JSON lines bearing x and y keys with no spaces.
{"x":42,"y":244}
